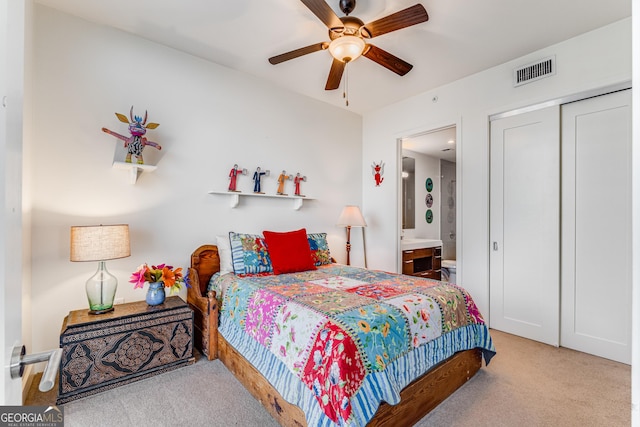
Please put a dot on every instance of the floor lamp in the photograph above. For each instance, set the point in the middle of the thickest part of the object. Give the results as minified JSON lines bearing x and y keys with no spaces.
{"x":352,"y":217}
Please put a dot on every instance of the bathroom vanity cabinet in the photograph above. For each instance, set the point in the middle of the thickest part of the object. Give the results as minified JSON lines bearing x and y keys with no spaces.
{"x":423,"y":262}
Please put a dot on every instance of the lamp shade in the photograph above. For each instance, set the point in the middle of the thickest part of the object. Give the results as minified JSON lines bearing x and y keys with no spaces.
{"x":99,"y":242}
{"x":351,"y":217}
{"x":346,"y":48}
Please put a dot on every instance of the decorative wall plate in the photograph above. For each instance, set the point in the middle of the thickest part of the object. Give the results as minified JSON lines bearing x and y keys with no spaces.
{"x":428,"y":200}
{"x":429,"y":184}
{"x":429,"y":216}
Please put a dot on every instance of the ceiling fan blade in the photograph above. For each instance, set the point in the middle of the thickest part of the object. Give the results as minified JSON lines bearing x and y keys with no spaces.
{"x":335,"y":75}
{"x":298,"y":52}
{"x":387,"y":60}
{"x":405,"y":18}
{"x":322,"y":10}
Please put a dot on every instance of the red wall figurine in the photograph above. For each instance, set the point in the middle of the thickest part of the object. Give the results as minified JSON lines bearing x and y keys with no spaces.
{"x":377,"y":170}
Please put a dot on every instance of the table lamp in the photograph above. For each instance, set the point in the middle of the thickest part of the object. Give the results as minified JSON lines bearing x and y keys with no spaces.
{"x":352,"y":217}
{"x":100,"y":243}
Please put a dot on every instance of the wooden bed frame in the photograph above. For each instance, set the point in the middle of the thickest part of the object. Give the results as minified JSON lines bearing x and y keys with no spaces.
{"x":417,"y":399}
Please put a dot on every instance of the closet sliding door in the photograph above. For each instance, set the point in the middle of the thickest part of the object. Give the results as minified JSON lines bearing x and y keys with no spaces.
{"x":596,"y":226}
{"x":560,"y":263}
{"x":525,"y":225}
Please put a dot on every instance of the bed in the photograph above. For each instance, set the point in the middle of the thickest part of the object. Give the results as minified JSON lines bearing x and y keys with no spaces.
{"x":299,"y":386}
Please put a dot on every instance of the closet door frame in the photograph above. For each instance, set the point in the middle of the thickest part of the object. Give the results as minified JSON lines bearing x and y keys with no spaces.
{"x":493,"y":299}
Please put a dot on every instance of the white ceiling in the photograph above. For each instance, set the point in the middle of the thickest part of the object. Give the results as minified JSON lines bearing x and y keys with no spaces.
{"x":462,"y":37}
{"x":440,"y":143}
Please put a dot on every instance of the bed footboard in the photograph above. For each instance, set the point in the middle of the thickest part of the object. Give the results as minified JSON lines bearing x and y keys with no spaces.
{"x":417,"y":400}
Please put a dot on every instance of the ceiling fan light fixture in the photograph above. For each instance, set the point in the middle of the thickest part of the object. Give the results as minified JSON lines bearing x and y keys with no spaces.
{"x":346,"y":48}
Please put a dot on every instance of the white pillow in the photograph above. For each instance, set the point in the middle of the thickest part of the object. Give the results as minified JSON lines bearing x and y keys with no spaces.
{"x":224,"y":251}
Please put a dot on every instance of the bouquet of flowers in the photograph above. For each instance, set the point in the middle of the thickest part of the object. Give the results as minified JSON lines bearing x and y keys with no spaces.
{"x":165,"y":274}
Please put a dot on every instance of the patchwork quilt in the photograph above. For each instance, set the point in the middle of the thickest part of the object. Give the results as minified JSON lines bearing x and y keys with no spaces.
{"x":338,"y":340}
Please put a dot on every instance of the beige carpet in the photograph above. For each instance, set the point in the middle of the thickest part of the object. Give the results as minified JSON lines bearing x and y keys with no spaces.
{"x":527,"y":384}
{"x":532,"y":384}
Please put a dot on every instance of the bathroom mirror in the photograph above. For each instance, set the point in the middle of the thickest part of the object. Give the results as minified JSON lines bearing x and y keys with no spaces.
{"x":408,"y":192}
{"x":429,"y":199}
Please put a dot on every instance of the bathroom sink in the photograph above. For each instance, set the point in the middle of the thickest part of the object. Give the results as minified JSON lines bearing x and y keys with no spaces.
{"x":408,"y":244}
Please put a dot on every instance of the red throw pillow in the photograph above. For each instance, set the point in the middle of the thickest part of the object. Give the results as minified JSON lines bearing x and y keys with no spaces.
{"x":289,"y":252}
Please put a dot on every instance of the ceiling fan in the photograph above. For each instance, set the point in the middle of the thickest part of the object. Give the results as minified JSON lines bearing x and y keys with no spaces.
{"x":348,"y":35}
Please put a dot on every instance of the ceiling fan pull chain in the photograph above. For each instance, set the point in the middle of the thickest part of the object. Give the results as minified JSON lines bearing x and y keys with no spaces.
{"x":345,"y":92}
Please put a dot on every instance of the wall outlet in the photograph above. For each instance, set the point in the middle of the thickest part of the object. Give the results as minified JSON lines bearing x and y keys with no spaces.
{"x":118,"y":301}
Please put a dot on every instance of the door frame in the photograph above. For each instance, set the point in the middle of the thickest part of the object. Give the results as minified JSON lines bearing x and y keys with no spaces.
{"x":429,"y":128}
{"x":562,"y":100}
{"x":12,"y":65}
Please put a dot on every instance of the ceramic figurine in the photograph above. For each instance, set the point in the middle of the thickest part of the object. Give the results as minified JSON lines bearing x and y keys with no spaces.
{"x":281,"y":180}
{"x":296,"y":182}
{"x":233,"y":176}
{"x":377,"y":169}
{"x":257,"y":176}
{"x":137,"y":141}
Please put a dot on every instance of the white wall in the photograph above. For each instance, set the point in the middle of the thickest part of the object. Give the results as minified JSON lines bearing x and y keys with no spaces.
{"x":596,"y":59}
{"x":210,"y":118}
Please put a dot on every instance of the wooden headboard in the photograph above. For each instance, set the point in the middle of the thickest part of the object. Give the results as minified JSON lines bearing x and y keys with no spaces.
{"x":206,"y":261}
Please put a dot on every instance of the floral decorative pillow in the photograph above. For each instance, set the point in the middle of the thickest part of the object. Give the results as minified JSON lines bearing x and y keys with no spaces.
{"x":319,"y":248}
{"x":249,"y":254}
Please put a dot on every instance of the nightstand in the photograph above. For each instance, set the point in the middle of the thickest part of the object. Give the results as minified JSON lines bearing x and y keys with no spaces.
{"x":131,"y":343}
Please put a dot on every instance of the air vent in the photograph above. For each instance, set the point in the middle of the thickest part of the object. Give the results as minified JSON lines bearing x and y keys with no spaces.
{"x":535,"y":71}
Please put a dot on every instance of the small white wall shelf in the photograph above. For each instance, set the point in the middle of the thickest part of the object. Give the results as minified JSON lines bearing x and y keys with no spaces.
{"x":235,"y":197}
{"x":135,"y":169}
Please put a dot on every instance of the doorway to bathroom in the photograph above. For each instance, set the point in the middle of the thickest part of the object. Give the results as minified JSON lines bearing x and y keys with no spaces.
{"x":430,"y":195}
